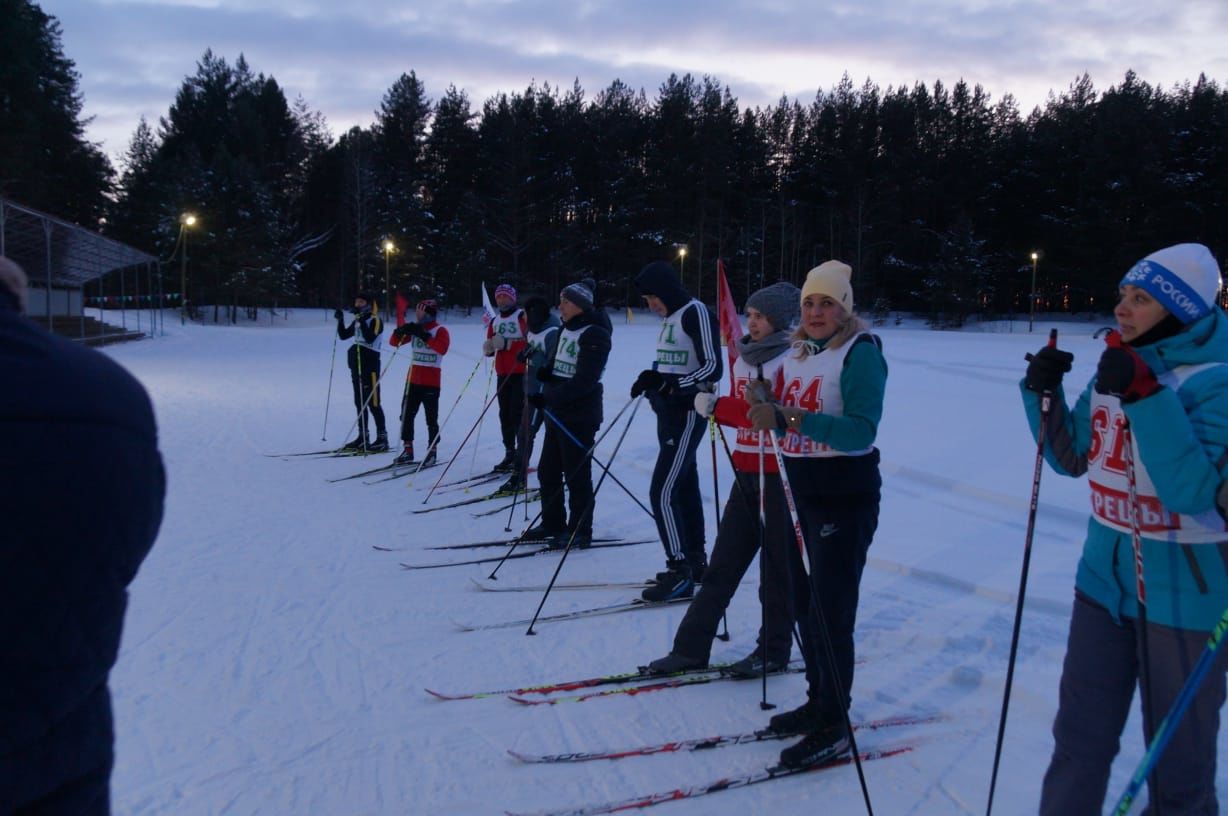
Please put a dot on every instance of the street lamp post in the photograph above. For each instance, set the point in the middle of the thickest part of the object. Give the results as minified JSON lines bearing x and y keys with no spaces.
{"x":185,"y":221}
{"x":389,"y":248}
{"x":682,"y":264}
{"x":1032,"y":306}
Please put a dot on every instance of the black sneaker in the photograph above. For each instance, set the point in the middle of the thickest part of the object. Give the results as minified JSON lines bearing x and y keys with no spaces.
{"x":380,"y":445}
{"x":673,"y":663}
{"x":429,"y":459}
{"x":405,"y":457}
{"x":821,"y":746}
{"x":676,"y":586}
{"x":751,"y":667}
{"x":357,"y":443}
{"x":802,"y":720}
{"x":698,"y":568}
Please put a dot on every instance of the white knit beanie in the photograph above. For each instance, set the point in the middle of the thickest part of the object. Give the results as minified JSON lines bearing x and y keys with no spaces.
{"x":1184,"y":278}
{"x":13,"y":278}
{"x":831,"y":278}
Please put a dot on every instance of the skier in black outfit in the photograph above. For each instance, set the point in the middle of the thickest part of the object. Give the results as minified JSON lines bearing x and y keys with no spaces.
{"x":572,"y":395}
{"x":688,"y":361}
{"x":363,"y":358}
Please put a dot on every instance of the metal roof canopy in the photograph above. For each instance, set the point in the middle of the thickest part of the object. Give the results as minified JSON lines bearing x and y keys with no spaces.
{"x":58,"y":253}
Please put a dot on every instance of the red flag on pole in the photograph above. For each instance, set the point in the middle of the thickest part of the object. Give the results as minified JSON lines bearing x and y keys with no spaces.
{"x":402,"y":308}
{"x":731,"y":324}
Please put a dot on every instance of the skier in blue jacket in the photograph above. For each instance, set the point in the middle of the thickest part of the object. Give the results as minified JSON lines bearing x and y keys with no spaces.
{"x":1158,"y":402}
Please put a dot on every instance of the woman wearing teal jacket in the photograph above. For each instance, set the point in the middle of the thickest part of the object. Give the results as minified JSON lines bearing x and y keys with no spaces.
{"x":1161,"y":387}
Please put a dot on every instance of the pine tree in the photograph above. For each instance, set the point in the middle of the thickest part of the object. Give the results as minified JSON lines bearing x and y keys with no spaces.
{"x":45,"y":160}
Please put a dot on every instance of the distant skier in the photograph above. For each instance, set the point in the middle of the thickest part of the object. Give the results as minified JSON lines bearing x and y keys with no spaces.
{"x":771,"y":313}
{"x":429,"y":343}
{"x":688,"y":360}
{"x":540,"y":340}
{"x":572,"y":394}
{"x":832,"y":389}
{"x":1162,"y":385}
{"x":505,"y":338}
{"x":363,"y":358}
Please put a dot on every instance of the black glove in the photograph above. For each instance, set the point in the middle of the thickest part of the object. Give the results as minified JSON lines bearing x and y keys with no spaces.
{"x":337,"y":314}
{"x":417,"y":331}
{"x":648,"y":380}
{"x":545,"y":374}
{"x":1122,"y":373}
{"x":1045,"y":369}
{"x":402,"y":331}
{"x":522,"y":356}
{"x":538,"y":400}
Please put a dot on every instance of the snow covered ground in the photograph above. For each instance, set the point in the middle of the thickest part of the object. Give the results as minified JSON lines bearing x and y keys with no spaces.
{"x":274,"y":662}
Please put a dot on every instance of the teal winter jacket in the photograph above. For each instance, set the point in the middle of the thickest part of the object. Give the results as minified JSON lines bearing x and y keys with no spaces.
{"x":1180,"y":436}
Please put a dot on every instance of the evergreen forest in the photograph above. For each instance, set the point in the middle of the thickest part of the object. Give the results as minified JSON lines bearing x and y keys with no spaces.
{"x":937,"y":195}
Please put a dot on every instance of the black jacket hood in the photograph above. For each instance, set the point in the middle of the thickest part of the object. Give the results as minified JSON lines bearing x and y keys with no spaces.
{"x":661,"y":279}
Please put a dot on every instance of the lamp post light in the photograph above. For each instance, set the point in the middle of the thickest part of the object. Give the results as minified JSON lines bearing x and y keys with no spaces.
{"x":389,"y":248}
{"x":185,"y":221}
{"x":682,"y":264}
{"x":1032,"y":307}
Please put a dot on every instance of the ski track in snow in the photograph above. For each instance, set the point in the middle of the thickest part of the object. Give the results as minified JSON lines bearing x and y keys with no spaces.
{"x":273,"y":662}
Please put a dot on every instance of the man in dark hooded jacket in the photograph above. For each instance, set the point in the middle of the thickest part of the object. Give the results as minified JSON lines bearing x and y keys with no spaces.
{"x":688,"y":361}
{"x":81,"y":499}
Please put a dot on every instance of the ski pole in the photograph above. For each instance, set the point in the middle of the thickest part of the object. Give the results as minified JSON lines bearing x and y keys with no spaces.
{"x":443,"y":425}
{"x":716,"y":510}
{"x":476,"y":425}
{"x":763,"y":703}
{"x":567,"y":432}
{"x":1136,"y":540}
{"x":328,"y":400}
{"x":609,"y":427}
{"x":1046,"y":404}
{"x":1162,"y":735}
{"x":587,"y":510}
{"x":761,"y":533}
{"x":817,"y":608}
{"x":409,"y":376}
{"x":473,"y":461}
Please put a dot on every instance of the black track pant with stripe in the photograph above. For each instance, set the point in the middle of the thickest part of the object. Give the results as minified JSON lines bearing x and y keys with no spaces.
{"x":676,"y":502}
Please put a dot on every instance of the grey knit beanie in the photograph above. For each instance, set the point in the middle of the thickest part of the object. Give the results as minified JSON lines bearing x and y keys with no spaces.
{"x":780,"y":303}
{"x":580,"y":293}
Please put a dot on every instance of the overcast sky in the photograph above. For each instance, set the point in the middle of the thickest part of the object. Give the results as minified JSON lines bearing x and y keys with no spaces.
{"x":342,"y":55}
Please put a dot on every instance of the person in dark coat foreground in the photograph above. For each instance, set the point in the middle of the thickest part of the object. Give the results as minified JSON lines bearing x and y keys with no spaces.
{"x":81,"y":493}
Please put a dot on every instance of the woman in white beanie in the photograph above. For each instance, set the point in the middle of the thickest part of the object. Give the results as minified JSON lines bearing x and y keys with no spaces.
{"x":1161,"y":388}
{"x":831,"y":391}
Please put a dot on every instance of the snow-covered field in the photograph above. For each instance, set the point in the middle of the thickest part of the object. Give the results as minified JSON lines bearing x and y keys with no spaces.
{"x":274,"y":662}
